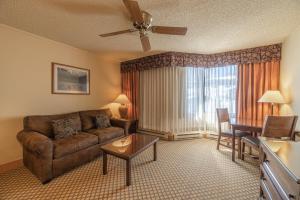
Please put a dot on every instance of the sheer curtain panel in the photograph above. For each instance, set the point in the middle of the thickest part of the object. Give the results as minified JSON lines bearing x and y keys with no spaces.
{"x":220,"y":92}
{"x":183,"y":100}
{"x":171,"y":100}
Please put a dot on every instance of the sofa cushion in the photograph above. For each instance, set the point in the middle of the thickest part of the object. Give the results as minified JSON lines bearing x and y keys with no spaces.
{"x":107,"y":134}
{"x":66,"y":127}
{"x":74,"y":143}
{"x":43,"y":123}
{"x":102,"y":121}
{"x":88,"y":118}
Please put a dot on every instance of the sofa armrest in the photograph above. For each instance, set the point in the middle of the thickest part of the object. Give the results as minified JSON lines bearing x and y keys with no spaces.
{"x":37,"y":154}
{"x":37,"y":143}
{"x":122,"y":123}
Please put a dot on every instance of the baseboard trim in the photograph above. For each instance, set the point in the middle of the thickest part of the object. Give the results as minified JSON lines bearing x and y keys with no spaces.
{"x":163,"y":136}
{"x":11,"y":165}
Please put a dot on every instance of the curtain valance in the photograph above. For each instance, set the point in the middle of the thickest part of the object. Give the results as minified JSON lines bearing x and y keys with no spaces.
{"x":171,"y":59}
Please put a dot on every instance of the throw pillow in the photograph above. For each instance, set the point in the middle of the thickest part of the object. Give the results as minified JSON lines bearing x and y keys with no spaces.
{"x":65,"y":127}
{"x":102,"y":121}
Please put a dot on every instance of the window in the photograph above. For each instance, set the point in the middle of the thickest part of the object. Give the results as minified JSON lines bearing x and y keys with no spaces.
{"x":184,"y":99}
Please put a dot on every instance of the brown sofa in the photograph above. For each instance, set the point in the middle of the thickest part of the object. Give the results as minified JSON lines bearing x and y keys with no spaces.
{"x":48,"y":158}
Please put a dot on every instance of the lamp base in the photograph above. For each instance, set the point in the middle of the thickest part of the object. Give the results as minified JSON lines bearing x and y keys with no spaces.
{"x":272,"y":109}
{"x":123,"y":110}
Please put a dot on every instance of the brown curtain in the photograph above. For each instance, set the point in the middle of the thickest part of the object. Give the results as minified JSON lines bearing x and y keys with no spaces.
{"x":253,"y":81}
{"x":130,"y":87}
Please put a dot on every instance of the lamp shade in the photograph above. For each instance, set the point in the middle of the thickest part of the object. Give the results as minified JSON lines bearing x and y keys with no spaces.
{"x":272,"y":96}
{"x":122,"y":99}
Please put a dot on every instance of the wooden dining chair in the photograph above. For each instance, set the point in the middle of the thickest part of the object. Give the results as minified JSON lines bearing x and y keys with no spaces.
{"x":223,"y":117}
{"x":274,"y":127}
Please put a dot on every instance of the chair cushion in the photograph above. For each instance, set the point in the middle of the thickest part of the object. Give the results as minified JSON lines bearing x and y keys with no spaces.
{"x":251,"y":140}
{"x":72,"y":144}
{"x":238,"y":133}
{"x":107,"y":134}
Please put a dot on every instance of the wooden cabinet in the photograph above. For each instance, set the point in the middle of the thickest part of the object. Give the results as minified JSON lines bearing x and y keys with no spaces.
{"x":280,"y":169}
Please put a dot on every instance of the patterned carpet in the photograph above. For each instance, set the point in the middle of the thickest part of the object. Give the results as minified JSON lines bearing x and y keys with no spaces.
{"x":190,"y":169}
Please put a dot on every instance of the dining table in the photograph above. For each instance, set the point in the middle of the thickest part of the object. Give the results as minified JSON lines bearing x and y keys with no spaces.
{"x":252,"y":126}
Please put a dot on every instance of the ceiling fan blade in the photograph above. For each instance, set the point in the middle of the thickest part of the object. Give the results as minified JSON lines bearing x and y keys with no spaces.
{"x":145,"y":42}
{"x":169,"y":30}
{"x":134,"y":10}
{"x":118,"y":32}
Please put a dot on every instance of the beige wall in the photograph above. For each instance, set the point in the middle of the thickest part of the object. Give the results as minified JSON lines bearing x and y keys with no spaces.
{"x":290,"y":74}
{"x":25,"y":83}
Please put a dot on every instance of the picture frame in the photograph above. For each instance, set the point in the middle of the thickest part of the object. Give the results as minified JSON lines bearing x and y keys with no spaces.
{"x":67,"y":79}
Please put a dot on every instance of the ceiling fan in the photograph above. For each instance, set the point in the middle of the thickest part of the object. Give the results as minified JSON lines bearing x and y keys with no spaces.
{"x":142,"y":23}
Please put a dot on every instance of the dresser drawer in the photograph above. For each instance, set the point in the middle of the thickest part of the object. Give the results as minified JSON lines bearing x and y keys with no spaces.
{"x":266,"y":192}
{"x":282,"y":180}
{"x":268,"y":187}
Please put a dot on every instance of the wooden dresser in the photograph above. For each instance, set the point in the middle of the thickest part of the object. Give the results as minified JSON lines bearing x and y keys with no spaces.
{"x":280,"y":169}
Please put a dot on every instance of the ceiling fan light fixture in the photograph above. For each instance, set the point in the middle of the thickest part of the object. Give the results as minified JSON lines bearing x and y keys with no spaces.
{"x":142,"y":22}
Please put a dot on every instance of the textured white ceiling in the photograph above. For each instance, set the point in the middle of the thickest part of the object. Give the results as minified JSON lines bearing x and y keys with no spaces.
{"x":213,"y":25}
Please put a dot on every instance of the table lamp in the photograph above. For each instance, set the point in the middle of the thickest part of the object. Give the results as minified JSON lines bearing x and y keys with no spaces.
{"x":123,"y":109}
{"x":273,"y":97}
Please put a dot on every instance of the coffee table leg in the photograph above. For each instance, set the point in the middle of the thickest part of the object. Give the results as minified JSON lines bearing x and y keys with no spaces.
{"x":155,"y":151}
{"x":128,"y":172}
{"x":104,"y":163}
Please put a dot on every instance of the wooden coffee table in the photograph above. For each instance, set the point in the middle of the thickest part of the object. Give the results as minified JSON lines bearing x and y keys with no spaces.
{"x":127,"y":148}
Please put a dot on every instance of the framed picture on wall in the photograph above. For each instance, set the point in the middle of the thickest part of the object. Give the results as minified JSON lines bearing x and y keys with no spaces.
{"x":70,"y":80}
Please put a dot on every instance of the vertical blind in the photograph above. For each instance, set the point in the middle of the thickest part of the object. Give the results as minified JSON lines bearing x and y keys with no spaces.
{"x":184,"y":99}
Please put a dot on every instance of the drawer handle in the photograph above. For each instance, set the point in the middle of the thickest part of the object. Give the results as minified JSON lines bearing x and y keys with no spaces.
{"x":292,"y":196}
